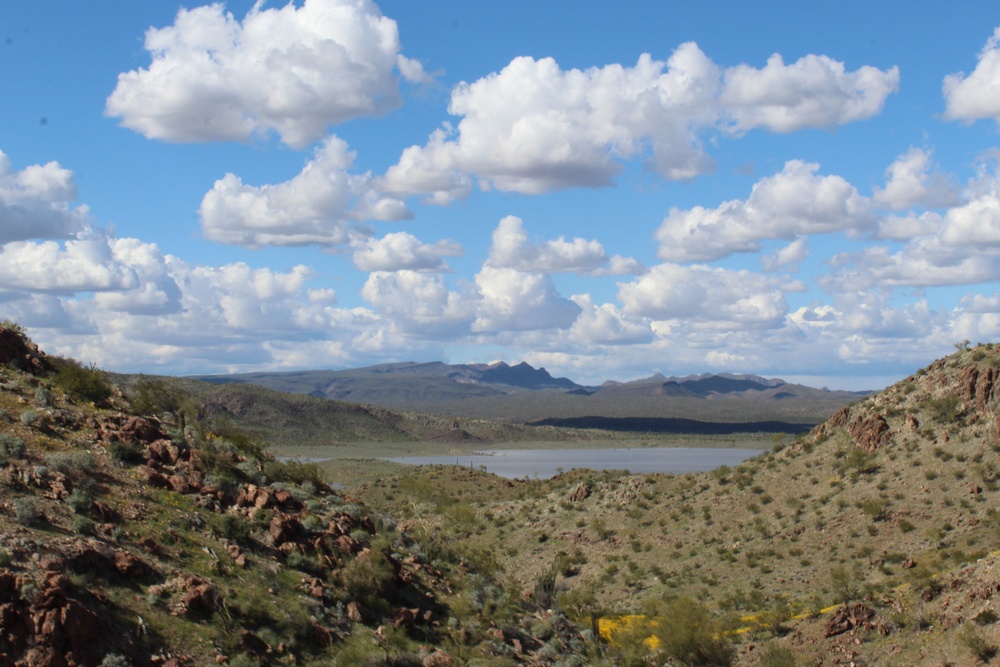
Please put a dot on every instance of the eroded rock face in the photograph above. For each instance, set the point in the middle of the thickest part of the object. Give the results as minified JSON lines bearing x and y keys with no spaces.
{"x":21,"y":354}
{"x":870,"y":433}
{"x":129,"y":430}
{"x":53,"y":629}
{"x":851,"y":616}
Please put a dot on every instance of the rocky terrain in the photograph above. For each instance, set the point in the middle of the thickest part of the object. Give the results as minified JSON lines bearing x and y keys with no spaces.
{"x":139,"y":527}
{"x":126,"y":541}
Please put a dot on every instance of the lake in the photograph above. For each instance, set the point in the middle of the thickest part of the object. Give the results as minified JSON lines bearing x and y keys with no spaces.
{"x":545,"y":463}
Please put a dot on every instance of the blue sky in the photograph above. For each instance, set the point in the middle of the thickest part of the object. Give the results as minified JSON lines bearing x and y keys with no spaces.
{"x":797,"y":189}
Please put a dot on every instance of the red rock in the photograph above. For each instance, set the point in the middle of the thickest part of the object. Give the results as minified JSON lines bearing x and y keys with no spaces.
{"x":437,"y":659}
{"x":870,"y":433}
{"x":131,"y":566}
{"x":355,"y":612}
{"x":153,"y":478}
{"x":201,"y":598}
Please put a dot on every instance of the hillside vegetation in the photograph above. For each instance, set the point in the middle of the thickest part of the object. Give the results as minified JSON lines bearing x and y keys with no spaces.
{"x":891,"y":505}
{"x":138,"y":526}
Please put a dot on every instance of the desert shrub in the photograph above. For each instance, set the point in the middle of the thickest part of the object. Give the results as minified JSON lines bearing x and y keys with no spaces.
{"x":293,"y":472}
{"x":776,"y":655}
{"x":11,"y":447}
{"x":691,"y":636}
{"x":29,"y":417}
{"x":80,"y":501}
{"x":972,"y":639}
{"x":235,"y":527}
{"x":860,"y":461}
{"x":6,"y":558}
{"x":986,"y":617}
{"x":244,"y":660}
{"x":369,"y":581}
{"x":845,"y":583}
{"x":125,"y":453}
{"x":116,"y":660}
{"x":81,"y":382}
{"x":74,"y":465}
{"x":875,"y":508}
{"x":26,"y":512}
{"x":945,"y":408}
{"x":83,"y":525}
{"x":43,"y":398}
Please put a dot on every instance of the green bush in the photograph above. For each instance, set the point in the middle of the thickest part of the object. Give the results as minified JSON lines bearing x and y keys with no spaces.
{"x":125,"y":453}
{"x":691,"y":636}
{"x":81,"y":382}
{"x":11,"y":447}
{"x":776,"y":655}
{"x":26,"y":512}
{"x":83,"y":525}
{"x":971,"y":638}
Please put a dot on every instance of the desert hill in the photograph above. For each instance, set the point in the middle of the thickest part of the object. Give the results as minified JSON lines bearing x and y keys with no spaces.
{"x":130,"y":538}
{"x":890,"y":505}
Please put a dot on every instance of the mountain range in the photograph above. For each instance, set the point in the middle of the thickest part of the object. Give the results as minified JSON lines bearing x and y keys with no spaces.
{"x":411,"y":384}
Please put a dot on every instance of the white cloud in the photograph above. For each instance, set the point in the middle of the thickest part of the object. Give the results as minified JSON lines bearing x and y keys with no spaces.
{"x":157,"y":291}
{"x":534,"y":128}
{"x":512,"y":300}
{"x":605,"y":324}
{"x":975,"y":96}
{"x":793,"y":202}
{"x":315,"y":207}
{"x":814,"y":91}
{"x":788,"y":257}
{"x":399,"y":251}
{"x":619,"y":265}
{"x":294,"y":70}
{"x":912,"y":180}
{"x":511,"y":249}
{"x":35,"y":203}
{"x":705,"y":297}
{"x":418,"y":303}
{"x":77,"y":266}
{"x":904,"y":227}
{"x":958,"y":247}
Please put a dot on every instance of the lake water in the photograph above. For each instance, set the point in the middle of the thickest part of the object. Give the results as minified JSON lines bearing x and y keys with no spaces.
{"x":545,"y":463}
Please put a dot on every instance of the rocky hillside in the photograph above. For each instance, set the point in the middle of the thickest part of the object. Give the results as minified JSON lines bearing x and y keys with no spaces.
{"x":134,"y":540}
{"x":873,"y":539}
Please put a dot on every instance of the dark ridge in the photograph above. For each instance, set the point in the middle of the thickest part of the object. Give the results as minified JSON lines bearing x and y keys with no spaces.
{"x":674,"y":425}
{"x":524,"y":375}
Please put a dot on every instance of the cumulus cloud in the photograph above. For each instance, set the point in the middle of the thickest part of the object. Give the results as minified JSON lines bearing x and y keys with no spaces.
{"x":511,"y":249}
{"x":534,"y":127}
{"x":788,"y":257}
{"x":605,"y":324}
{"x":794,"y":202}
{"x":401,"y":251}
{"x":974,"y":96}
{"x":707,"y":297}
{"x":294,"y":70}
{"x":76,"y":266}
{"x":35,"y":203}
{"x":912,"y":180}
{"x":512,"y":300}
{"x":958,"y":247}
{"x":315,"y":207}
{"x":419,"y":303}
{"x":814,"y":91}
